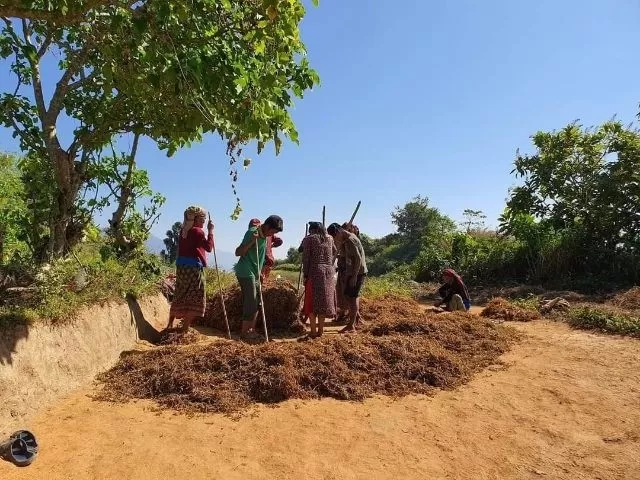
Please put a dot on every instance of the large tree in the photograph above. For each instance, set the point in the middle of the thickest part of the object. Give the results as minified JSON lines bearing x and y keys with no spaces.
{"x":170,"y":71}
{"x":582,"y":180}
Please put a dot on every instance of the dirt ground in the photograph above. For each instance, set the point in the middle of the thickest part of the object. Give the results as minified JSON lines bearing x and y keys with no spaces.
{"x":563,"y":406}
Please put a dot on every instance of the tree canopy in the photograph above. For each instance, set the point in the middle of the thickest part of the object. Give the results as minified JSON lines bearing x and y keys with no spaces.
{"x":209,"y":66}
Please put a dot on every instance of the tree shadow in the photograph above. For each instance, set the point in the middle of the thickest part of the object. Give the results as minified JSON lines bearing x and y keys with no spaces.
{"x":10,"y":336}
{"x":146,"y":330}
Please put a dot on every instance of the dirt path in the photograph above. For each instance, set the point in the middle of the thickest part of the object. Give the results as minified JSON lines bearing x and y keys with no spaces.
{"x":564,"y":406}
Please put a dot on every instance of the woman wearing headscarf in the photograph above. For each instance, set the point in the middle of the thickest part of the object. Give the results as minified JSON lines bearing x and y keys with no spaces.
{"x":189,"y":299}
{"x":318,"y":254}
{"x":454,"y":293}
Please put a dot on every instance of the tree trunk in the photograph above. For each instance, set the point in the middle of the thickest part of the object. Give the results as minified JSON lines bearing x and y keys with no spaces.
{"x":69,"y":177}
{"x":126,"y":190}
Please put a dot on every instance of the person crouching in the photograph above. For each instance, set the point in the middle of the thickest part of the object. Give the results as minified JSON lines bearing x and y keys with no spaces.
{"x":454,"y":293}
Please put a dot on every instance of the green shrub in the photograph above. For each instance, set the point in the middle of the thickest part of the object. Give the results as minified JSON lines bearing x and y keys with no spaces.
{"x":530,"y":302}
{"x":606,"y":319}
{"x":289,"y":267}
{"x":387,"y":284}
{"x":82,"y":279}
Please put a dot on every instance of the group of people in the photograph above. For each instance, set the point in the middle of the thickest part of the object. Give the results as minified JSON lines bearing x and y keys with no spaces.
{"x":325,"y":296}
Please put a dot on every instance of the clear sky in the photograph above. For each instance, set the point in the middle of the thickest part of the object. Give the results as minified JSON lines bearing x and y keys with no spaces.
{"x":421,"y":97}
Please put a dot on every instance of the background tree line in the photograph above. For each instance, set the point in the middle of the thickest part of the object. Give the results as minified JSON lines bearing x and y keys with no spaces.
{"x":573,"y":221}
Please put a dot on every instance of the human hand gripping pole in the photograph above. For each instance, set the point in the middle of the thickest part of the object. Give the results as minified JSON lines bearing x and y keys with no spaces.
{"x":215,"y":261}
{"x":258,"y":279}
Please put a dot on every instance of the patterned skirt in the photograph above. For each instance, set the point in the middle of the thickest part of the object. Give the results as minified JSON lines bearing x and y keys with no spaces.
{"x":322,"y":291}
{"x":189,"y":298}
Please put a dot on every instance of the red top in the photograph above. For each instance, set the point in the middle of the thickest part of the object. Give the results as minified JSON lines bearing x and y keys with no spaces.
{"x":196,"y":245}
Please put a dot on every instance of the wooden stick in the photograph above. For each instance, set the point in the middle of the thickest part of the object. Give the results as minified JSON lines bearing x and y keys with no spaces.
{"x":264,"y":318}
{"x":323,"y":215}
{"x":355,"y":212}
{"x":306,"y":232}
{"x":224,"y":309}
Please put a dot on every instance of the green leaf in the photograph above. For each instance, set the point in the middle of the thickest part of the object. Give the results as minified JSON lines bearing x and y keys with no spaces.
{"x":315,"y":2}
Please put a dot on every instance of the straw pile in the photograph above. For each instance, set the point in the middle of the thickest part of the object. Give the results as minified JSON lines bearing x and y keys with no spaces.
{"x":175,"y":338}
{"x":280,"y":305}
{"x":389,"y":306}
{"x":395,"y":359}
{"x":501,"y":309}
{"x":629,"y":300}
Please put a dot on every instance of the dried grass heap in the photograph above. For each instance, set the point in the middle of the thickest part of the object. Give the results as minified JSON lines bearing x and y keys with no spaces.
{"x":176,"y":338}
{"x":415,"y":354}
{"x":629,"y":300}
{"x":501,"y":309}
{"x":280,"y":305}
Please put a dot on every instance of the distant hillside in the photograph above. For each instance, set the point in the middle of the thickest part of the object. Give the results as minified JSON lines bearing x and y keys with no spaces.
{"x":155,"y":244}
{"x":226,"y":260}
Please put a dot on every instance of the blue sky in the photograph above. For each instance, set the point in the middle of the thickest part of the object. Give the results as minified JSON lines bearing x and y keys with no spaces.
{"x":429,"y":98}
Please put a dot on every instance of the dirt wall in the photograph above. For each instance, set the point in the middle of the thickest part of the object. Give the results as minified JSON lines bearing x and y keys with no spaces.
{"x":40,"y":363}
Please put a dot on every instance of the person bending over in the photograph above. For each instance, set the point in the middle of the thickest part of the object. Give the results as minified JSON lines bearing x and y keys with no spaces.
{"x":355,"y":271}
{"x":248,"y":269}
{"x":318,"y":254}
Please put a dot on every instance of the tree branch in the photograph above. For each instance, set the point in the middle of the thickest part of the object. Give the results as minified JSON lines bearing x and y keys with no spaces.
{"x":46,"y":43}
{"x":62,"y":87}
{"x":84,"y":80}
{"x":12,"y":10}
{"x":35,"y":74}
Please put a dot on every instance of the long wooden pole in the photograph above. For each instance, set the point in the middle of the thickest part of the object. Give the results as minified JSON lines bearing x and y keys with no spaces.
{"x":264,"y":318}
{"x":306,"y":231}
{"x":224,"y":309}
{"x":355,"y":212}
{"x":323,"y":215}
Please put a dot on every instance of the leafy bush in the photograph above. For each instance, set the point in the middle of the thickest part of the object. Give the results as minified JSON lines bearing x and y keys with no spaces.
{"x":606,"y":319}
{"x":385,"y":285}
{"x":80,"y":280}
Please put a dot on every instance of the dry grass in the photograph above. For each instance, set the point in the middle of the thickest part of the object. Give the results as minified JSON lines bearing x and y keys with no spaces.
{"x":501,"y":309}
{"x":629,"y":300}
{"x":402,"y":351}
{"x":175,"y":338}
{"x":280,"y":304}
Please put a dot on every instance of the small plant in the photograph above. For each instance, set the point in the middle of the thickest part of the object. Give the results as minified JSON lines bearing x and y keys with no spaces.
{"x":530,"y":302}
{"x":606,"y":319}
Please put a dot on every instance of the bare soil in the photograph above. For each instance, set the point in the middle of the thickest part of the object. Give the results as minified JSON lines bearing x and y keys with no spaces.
{"x":562,"y":405}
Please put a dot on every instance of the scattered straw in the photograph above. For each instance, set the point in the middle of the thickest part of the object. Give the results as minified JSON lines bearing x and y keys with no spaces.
{"x":501,"y":309}
{"x":230,"y":376}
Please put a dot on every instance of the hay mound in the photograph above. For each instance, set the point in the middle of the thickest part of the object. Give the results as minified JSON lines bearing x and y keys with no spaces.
{"x":176,"y":338}
{"x":629,"y":300}
{"x":390,"y":307}
{"x":280,"y":306}
{"x":230,"y":376}
{"x":501,"y":309}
